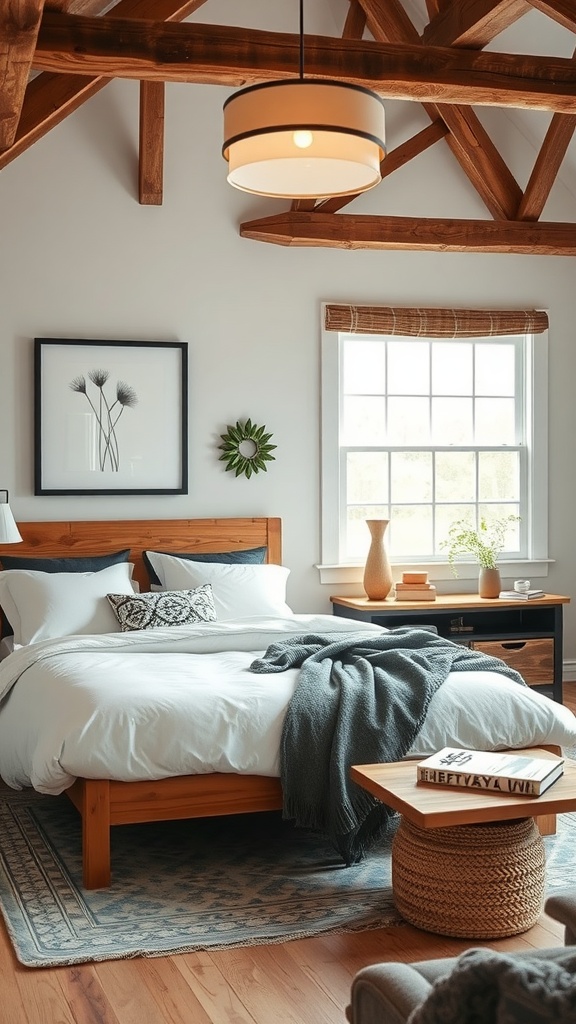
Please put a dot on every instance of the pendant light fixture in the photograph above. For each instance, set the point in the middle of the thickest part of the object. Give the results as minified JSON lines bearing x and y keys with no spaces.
{"x":304,"y":138}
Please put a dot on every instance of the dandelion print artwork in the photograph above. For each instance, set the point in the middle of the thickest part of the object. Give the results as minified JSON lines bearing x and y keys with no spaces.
{"x":107,"y":411}
{"x":110,"y":417}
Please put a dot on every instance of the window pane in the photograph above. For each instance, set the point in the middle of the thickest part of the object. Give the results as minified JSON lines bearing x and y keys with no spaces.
{"x":367,"y":477}
{"x":408,"y":368}
{"x":363,"y":421}
{"x":410,"y":531}
{"x":452,"y":421}
{"x":495,"y":421}
{"x":455,"y":476}
{"x":498,"y":476}
{"x":411,"y":476}
{"x":495,"y":369}
{"x":452,"y":368}
{"x":492,"y":512}
{"x":357,"y":533}
{"x":364,"y":367}
{"x":408,"y":421}
{"x":446,"y":515}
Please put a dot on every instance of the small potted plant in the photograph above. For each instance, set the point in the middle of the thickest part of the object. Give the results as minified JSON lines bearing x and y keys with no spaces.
{"x":484,"y":543}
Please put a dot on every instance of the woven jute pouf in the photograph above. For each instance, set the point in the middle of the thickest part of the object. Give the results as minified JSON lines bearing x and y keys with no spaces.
{"x":481,"y":881}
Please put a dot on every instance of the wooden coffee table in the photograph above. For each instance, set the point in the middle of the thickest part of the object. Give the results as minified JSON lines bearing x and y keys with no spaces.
{"x":467,"y":863}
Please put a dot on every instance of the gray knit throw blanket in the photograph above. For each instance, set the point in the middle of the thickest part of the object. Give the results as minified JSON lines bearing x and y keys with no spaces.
{"x":486,"y":987}
{"x":361,"y":699}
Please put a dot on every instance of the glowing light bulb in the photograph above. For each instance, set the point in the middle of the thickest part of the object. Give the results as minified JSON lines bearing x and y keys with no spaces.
{"x":303,"y":139}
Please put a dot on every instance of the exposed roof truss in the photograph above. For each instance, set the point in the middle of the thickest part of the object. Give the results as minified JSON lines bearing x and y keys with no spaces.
{"x":75,"y":47}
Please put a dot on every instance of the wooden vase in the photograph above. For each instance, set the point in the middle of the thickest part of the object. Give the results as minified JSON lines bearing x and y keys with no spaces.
{"x":377,"y":573}
{"x":489,"y":583}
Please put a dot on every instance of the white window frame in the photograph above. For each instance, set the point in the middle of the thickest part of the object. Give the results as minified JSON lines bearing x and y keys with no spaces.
{"x":535,"y":514}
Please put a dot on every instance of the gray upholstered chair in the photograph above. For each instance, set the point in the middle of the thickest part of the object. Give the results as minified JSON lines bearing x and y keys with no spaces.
{"x":388,"y":993}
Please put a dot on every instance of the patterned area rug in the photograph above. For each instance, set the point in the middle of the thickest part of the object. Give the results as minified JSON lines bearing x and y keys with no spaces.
{"x":180,"y":886}
{"x":176,"y":886}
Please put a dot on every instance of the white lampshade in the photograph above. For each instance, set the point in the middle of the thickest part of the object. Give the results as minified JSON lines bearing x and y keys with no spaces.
{"x":9,"y":533}
{"x":304,"y":139}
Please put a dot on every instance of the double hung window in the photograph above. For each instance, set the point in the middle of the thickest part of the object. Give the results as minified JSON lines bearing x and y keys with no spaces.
{"x":432,"y":416}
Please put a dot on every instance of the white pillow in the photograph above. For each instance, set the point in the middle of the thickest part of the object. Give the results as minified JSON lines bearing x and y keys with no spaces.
{"x":43,"y":605}
{"x":487,"y":711}
{"x":239,"y":589}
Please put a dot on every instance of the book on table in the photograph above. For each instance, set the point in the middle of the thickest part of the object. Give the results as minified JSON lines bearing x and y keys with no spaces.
{"x":516,"y":595}
{"x":415,"y":592}
{"x":415,"y":577}
{"x":512,"y":774}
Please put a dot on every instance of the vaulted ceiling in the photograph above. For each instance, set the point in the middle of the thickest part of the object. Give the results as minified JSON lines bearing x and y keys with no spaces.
{"x":56,"y":54}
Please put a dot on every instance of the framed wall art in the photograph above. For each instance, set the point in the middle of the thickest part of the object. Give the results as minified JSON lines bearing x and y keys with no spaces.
{"x":110,"y":417}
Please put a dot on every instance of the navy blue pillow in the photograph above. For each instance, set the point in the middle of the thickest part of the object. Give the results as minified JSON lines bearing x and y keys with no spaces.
{"x":250,"y":556}
{"x":76,"y":563}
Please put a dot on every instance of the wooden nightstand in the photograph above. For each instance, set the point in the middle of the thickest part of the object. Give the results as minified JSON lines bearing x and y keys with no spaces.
{"x":525,"y":634}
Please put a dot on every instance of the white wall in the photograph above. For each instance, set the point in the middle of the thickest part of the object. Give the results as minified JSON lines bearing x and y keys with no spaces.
{"x":80,"y":258}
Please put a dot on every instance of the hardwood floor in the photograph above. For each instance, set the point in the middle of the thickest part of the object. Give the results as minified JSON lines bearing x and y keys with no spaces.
{"x":306,"y":981}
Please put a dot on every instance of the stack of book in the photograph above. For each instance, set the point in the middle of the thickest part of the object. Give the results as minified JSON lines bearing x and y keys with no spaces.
{"x":501,"y":773}
{"x":415,"y":587}
{"x":516,"y":595}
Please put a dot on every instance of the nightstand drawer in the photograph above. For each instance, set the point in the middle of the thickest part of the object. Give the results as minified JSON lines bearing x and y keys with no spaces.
{"x":533,"y":659}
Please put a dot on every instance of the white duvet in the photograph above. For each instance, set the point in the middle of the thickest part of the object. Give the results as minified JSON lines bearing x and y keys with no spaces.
{"x":182,"y":700}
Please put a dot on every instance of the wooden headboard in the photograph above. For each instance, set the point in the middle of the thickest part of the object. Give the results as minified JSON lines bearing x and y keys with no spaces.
{"x":52,"y":539}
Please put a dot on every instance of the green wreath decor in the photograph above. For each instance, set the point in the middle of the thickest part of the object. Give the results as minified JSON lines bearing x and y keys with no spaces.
{"x":245,"y":449}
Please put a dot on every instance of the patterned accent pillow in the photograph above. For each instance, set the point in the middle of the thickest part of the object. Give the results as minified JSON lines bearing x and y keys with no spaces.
{"x":167,"y":608}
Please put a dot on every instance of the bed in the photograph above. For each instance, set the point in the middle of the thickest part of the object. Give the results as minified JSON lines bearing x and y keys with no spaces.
{"x":106,"y":801}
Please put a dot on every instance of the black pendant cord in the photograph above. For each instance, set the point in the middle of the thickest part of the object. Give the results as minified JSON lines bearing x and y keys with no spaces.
{"x":301,"y":39}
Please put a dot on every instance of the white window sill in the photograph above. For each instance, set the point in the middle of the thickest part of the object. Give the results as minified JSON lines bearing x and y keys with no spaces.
{"x":439,"y":574}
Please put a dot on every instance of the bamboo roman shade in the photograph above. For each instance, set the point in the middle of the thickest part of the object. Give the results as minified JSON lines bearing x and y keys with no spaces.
{"x":434,"y":323}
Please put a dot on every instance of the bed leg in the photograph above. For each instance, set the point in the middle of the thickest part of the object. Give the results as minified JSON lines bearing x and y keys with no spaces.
{"x":96,"y":834}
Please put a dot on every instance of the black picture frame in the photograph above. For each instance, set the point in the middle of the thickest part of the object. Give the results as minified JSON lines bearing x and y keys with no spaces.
{"x":110,"y":417}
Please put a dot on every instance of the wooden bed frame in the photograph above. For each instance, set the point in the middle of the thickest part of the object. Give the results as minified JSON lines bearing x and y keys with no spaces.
{"x":103,"y":803}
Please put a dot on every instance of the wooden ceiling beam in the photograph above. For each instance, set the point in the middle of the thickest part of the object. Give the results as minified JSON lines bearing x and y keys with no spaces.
{"x":473,"y":23}
{"x":419,"y":143}
{"x":355,"y":22}
{"x":389,"y":22}
{"x":49,"y":98}
{"x":153,"y":10}
{"x":151,"y":159}
{"x":468,"y":141}
{"x":88,"y":7}
{"x":19,"y":25}
{"x":552,"y":152}
{"x":223,"y":55}
{"x":345,"y":231}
